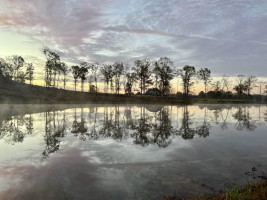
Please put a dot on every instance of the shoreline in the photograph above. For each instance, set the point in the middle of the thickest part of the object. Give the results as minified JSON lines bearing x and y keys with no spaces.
{"x":250,"y":191}
{"x":20,"y":93}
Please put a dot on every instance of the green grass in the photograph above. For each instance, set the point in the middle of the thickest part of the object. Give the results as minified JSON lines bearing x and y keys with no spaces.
{"x":256,"y":191}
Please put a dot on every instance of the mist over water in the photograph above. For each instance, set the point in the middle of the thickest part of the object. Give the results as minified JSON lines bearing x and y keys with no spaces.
{"x":129,"y":151}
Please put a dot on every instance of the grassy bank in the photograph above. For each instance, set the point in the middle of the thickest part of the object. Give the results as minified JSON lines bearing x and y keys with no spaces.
{"x":256,"y":191}
{"x":14,"y":92}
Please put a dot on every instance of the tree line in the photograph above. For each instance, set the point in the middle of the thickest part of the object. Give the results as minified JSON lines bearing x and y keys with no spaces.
{"x":147,"y":75}
{"x":17,"y":69}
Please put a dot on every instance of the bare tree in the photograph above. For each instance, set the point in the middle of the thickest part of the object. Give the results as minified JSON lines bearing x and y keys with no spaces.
{"x":225,"y":83}
{"x":217,"y":86}
{"x":241,"y":86}
{"x":250,"y":83}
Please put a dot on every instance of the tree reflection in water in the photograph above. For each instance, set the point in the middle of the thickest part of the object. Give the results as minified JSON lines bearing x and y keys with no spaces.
{"x":79,"y":128}
{"x":163,"y":130}
{"x":154,"y":125}
{"x":12,"y":130}
{"x":186,"y":130}
{"x":55,"y":129}
{"x":244,"y":121}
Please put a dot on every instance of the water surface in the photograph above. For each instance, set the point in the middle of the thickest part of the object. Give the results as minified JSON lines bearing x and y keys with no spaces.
{"x":129,"y":152}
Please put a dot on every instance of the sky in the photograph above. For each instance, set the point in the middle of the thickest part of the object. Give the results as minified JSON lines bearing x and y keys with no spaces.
{"x":229,"y":36}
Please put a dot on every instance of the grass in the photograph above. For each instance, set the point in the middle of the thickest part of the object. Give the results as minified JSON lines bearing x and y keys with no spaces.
{"x":14,"y":92}
{"x":256,"y":191}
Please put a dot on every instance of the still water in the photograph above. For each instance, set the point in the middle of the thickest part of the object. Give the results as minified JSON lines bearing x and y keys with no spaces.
{"x":129,"y":151}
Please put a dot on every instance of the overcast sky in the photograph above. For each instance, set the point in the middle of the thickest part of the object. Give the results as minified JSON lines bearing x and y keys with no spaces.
{"x":228,"y":36}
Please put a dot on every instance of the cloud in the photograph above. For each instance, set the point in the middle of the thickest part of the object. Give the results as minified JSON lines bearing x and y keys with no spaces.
{"x":219,"y":34}
{"x":62,"y":24}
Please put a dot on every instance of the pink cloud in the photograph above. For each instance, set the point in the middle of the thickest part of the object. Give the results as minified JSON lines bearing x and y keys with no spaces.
{"x":61,"y":22}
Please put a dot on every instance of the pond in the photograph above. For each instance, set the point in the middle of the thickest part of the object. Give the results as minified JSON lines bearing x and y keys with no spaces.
{"x":129,"y":151}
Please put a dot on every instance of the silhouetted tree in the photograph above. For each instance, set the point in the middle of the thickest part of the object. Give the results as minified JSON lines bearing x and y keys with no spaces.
{"x":130,"y":79}
{"x":107,"y":72}
{"x":118,"y":69}
{"x":204,"y":74}
{"x":225,"y":83}
{"x":51,"y":67}
{"x":82,"y":74}
{"x":29,"y":72}
{"x":6,"y":69}
{"x":241,"y":87}
{"x":250,"y":83}
{"x":163,"y":70}
{"x":94,"y":74}
{"x":187,"y":73}
{"x":17,"y":63}
{"x":217,"y":89}
{"x":65,"y":71}
{"x":143,"y":74}
{"x":76,"y":74}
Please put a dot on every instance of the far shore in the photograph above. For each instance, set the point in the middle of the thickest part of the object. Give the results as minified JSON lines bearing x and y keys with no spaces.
{"x":12,"y":92}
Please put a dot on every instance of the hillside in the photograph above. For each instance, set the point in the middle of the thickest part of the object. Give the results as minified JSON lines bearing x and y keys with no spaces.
{"x":14,"y":92}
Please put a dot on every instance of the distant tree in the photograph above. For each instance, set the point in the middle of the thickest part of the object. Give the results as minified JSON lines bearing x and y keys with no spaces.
{"x":51,"y":67}
{"x":107,"y":72}
{"x":202,"y":94}
{"x":82,"y":74}
{"x":90,"y":82}
{"x":143,"y":73}
{"x":21,"y":77}
{"x":29,"y":72}
{"x":58,"y":73}
{"x":130,"y":79}
{"x":217,"y":89}
{"x":216,"y":86}
{"x":204,"y":74}
{"x":6,"y":69}
{"x":241,"y":87}
{"x":225,"y":83}
{"x":65,"y":71}
{"x":92,"y":89}
{"x":17,"y":63}
{"x":76,"y":74}
{"x":163,"y":70}
{"x":250,"y":83}
{"x":93,"y":68}
{"x":187,"y":73}
{"x":118,"y":69}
